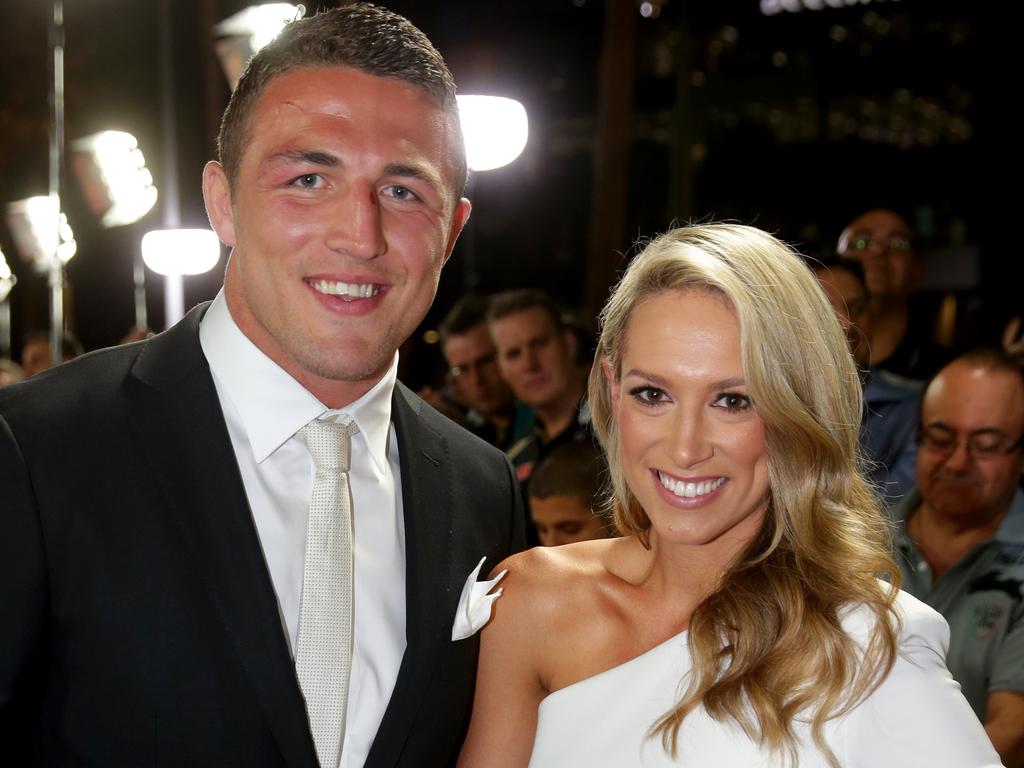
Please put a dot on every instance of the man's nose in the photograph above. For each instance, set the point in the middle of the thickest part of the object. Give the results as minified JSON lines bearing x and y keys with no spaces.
{"x":960,"y":458}
{"x":355,"y":227}
{"x":528,"y":360}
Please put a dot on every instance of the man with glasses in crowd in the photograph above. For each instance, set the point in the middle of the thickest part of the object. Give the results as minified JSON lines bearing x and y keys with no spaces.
{"x":492,"y":412}
{"x":901,"y":336}
{"x":960,"y":534}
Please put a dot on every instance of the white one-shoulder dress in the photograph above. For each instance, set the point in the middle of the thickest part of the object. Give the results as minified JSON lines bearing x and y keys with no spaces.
{"x":916,"y":717}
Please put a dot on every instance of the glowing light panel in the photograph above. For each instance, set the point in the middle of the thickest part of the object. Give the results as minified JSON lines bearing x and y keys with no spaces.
{"x":180,"y":251}
{"x":495,"y":130}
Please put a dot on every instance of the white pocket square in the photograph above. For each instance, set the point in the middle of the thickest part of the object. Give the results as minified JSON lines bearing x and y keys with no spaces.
{"x":475,"y":604}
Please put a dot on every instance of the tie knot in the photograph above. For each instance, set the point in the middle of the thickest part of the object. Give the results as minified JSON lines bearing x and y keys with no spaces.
{"x":328,"y":443}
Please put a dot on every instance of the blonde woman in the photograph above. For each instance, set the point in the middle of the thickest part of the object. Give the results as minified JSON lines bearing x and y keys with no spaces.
{"x":738,"y":621}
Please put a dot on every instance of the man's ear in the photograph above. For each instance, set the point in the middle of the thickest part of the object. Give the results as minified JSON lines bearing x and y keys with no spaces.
{"x":459,"y":219}
{"x":217,"y":196}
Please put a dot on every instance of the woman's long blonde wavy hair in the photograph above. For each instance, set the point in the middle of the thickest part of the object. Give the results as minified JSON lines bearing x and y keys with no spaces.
{"x":767,"y":645}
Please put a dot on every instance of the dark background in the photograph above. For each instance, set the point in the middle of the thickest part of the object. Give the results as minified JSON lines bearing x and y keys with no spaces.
{"x":795,"y":122}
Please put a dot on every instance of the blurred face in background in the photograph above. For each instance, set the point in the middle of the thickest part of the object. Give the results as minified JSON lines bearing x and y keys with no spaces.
{"x":881,"y":241}
{"x":850,"y":301}
{"x":472,"y":362}
{"x":565,"y":519}
{"x":536,"y":358}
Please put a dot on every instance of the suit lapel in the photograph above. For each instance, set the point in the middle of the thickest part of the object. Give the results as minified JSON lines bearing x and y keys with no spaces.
{"x":182,"y":432}
{"x":427,"y":504}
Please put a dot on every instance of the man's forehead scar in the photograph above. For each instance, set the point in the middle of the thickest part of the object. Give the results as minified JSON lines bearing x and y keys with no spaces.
{"x":335,"y":111}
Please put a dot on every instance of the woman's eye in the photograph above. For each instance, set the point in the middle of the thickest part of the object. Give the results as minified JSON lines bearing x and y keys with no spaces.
{"x":732,"y":401}
{"x":648,"y":395}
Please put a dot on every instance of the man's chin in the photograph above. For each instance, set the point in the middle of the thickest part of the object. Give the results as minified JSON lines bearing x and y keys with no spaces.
{"x":953,"y":502}
{"x":347,"y":364}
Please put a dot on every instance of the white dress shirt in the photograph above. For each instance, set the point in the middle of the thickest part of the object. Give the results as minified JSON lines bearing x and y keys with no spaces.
{"x":264,"y":408}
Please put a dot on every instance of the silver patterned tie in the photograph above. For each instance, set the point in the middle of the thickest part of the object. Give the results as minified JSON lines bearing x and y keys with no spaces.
{"x":324,"y":656}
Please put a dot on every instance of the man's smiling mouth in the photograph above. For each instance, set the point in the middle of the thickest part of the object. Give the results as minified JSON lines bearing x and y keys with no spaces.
{"x":347,"y":291}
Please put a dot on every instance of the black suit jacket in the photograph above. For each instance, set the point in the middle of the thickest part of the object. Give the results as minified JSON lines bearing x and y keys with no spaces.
{"x":139,"y":624}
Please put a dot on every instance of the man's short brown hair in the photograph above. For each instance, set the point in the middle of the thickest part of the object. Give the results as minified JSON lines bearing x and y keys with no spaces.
{"x":467,"y":313}
{"x":519,"y":300}
{"x":576,"y":469}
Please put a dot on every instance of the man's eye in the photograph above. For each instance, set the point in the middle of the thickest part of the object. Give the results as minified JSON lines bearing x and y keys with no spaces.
{"x":403,"y":194}
{"x":939,"y":439}
{"x":733,"y":401}
{"x":986,"y":444}
{"x":647,"y":395}
{"x":309,"y":181}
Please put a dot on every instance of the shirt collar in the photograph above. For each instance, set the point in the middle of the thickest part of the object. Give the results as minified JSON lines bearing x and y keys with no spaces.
{"x":271,"y":404}
{"x":1010,"y":531}
{"x":372,"y":413}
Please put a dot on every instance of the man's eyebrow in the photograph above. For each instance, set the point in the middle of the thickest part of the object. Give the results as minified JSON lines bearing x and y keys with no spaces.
{"x":985,"y":431}
{"x":309,"y":156}
{"x":939,"y":424}
{"x":414,"y":172}
{"x":894,"y":232}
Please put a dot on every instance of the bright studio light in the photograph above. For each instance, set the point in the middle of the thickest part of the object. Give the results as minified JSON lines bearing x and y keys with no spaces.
{"x":495,"y":130}
{"x":266,"y":21}
{"x":180,"y":251}
{"x":112,"y":171}
{"x":40,"y":231}
{"x":7,"y":278}
{"x":241,"y":35}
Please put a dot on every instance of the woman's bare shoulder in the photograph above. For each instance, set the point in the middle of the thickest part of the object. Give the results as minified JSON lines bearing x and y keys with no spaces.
{"x":549,"y":591}
{"x":556,"y":573}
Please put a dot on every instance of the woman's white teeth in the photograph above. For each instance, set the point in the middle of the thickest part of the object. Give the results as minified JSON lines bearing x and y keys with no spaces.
{"x":346,"y":290}
{"x":689,"y":490}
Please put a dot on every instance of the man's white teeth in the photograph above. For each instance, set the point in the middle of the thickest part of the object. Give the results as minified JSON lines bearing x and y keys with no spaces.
{"x":346,"y":290}
{"x":689,"y":490}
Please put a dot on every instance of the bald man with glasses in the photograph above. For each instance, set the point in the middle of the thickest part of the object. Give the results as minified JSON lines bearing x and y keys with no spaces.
{"x":960,"y":534}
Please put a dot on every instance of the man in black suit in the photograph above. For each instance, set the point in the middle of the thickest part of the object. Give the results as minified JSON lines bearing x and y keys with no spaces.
{"x":154,"y":555}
